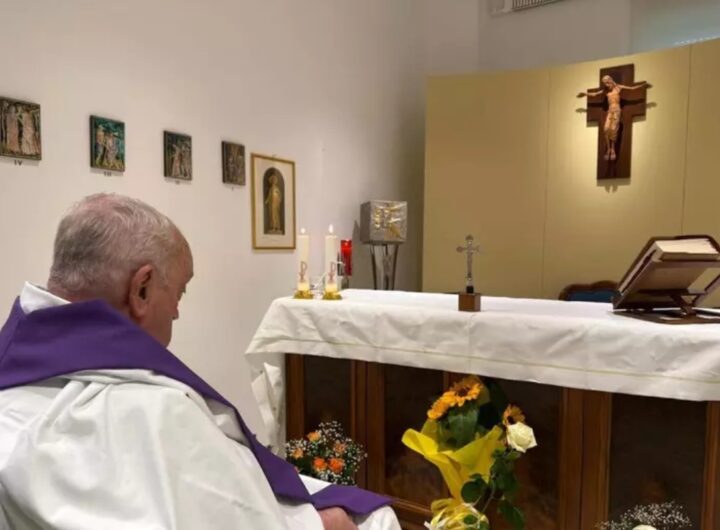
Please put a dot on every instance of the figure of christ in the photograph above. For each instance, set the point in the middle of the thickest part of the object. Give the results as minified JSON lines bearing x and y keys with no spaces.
{"x":86,"y":366}
{"x":613,"y":117}
{"x":186,"y":164}
{"x":111,"y":152}
{"x":99,"y":146}
{"x":12,"y":130}
{"x":29,"y":133}
{"x":176,"y":161}
{"x":273,"y":202}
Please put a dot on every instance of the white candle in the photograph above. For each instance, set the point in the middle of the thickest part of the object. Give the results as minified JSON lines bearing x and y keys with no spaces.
{"x":331,"y":250}
{"x":303,"y":245}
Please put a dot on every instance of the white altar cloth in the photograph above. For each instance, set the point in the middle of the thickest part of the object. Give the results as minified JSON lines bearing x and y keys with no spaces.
{"x":570,"y":344}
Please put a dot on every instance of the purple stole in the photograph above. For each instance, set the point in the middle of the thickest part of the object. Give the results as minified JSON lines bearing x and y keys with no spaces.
{"x":93,"y":336}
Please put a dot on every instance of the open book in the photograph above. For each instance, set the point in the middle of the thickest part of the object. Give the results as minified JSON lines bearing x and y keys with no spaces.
{"x":666,"y":268}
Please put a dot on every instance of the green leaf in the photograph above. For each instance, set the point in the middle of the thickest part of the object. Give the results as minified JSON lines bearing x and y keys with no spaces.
{"x":462,"y":424}
{"x":484,"y":525}
{"x":512,"y":515}
{"x":470,"y":520}
{"x":473,"y":491}
{"x":508,"y":484}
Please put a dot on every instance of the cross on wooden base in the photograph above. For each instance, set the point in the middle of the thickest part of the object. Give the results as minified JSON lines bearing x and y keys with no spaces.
{"x":469,"y":249}
{"x":614,"y":106}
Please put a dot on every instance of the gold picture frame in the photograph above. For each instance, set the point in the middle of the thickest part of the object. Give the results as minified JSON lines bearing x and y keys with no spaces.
{"x":273,"y":203}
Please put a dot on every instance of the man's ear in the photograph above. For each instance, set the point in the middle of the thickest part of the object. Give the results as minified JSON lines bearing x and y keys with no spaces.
{"x":140,"y":289}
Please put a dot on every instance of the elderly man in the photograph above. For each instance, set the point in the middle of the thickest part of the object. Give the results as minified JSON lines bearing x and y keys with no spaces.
{"x":102,"y":427}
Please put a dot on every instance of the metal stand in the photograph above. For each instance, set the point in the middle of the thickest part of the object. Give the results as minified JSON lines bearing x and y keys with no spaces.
{"x":384,"y":258}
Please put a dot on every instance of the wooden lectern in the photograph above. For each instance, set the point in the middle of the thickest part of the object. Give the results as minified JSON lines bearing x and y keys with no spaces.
{"x":669,"y":280}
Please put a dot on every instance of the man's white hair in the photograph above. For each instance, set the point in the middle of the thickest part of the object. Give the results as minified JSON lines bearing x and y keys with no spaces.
{"x":104,"y":239}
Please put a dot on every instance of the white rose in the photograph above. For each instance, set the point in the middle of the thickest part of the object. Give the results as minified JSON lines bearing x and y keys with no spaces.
{"x":644,"y":527}
{"x":521,"y":437}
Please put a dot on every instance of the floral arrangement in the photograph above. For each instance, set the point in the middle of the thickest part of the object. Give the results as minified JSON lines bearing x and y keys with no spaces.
{"x":327,"y":454}
{"x":666,"y":516}
{"x":474,"y":437}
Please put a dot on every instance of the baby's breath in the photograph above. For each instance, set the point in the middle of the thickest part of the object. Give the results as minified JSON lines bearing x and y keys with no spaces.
{"x":327,"y":454}
{"x":665,"y":516}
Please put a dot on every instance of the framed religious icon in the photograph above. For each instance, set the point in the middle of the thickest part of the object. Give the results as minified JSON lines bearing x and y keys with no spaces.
{"x":178,"y":156}
{"x":273,"y":202}
{"x":20,"y":129}
{"x":107,"y":144}
{"x":233,"y":163}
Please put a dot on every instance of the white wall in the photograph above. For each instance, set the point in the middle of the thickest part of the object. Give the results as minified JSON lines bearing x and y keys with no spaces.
{"x":452,"y":36}
{"x":336,"y":85}
{"x":581,"y":30}
{"x":665,"y":23}
{"x":563,"y":32}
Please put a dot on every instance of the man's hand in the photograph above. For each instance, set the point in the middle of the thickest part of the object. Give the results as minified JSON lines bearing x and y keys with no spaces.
{"x":336,"y":519}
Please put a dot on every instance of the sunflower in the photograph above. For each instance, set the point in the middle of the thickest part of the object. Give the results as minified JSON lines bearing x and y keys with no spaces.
{"x":467,"y":389}
{"x":513,"y":415}
{"x":438,"y":409}
{"x":449,"y":397}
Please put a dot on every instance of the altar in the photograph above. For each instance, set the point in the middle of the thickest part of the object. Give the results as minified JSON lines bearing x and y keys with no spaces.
{"x":625,"y":411}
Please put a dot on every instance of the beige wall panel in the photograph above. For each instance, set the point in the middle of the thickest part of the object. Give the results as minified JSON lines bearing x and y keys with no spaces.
{"x":594,"y":229}
{"x":485,"y":175}
{"x":702,"y":193}
{"x":702,"y":185}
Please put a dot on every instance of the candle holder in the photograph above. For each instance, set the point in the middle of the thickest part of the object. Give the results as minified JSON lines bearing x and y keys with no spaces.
{"x":329,"y":295}
{"x":331,"y":286}
{"x":303,"y":286}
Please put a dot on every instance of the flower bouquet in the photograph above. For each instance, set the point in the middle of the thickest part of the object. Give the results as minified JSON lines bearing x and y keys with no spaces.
{"x":327,"y":454}
{"x":665,"y":516}
{"x":475,"y":438}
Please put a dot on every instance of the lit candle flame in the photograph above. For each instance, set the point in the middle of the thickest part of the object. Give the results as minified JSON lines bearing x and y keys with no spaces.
{"x":302,"y":231}
{"x":330,"y":230}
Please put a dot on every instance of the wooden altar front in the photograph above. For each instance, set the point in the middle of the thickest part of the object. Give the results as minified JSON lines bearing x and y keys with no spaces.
{"x":599,"y":453}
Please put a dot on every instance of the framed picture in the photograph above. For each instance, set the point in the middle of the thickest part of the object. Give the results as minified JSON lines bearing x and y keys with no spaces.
{"x":107,"y":144}
{"x":20,"y":129}
{"x":233,"y":162}
{"x":273,"y":202}
{"x":178,"y":155}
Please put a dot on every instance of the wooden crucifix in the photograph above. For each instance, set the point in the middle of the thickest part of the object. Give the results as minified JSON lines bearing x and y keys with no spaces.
{"x":614,"y":106}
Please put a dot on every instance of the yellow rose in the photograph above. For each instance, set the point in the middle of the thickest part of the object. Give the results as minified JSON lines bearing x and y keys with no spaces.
{"x":521,"y":437}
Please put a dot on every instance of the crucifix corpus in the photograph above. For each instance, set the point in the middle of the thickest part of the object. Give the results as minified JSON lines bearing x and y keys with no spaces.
{"x":614,"y":106}
{"x":469,"y":300}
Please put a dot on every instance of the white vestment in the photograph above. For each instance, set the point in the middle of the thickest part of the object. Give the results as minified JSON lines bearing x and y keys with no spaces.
{"x":128,"y":449}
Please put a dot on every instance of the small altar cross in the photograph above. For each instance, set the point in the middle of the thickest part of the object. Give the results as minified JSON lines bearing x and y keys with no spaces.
{"x":470,"y":249}
{"x":633,"y":103}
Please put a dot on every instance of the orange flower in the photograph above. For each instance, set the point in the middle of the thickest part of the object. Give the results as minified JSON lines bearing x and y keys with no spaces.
{"x":297,"y":453}
{"x":467,"y":389}
{"x":449,"y":397}
{"x":313,"y":436}
{"x":319,"y":464}
{"x":337,"y":465}
{"x":513,"y":415}
{"x":339,"y":448}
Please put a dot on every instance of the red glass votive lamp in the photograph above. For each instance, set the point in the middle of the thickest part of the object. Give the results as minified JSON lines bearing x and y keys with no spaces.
{"x":346,"y":254}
